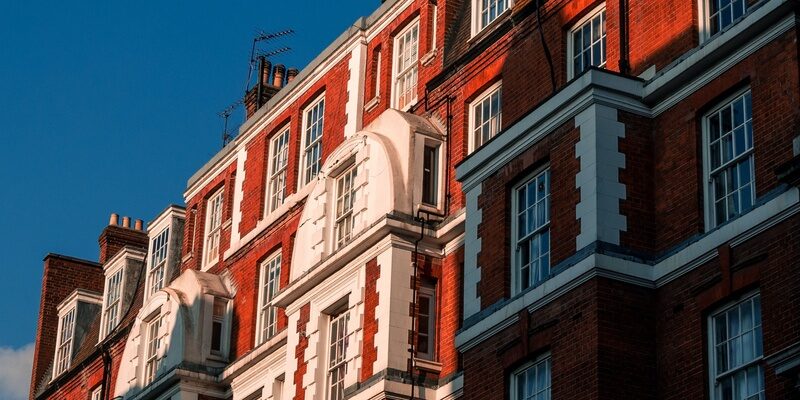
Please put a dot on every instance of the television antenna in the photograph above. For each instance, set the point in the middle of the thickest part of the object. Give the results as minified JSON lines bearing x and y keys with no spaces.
{"x":225,"y":114}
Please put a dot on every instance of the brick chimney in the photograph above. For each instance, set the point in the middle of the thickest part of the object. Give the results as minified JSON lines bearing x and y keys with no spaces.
{"x":115,"y":237}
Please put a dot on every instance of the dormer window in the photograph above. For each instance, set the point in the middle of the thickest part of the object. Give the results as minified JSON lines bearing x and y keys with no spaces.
{"x":484,"y":12}
{"x":111,"y":308}
{"x":158,"y":261}
{"x":118,"y":291}
{"x":66,"y":334}
{"x":213,"y":229}
{"x":345,"y":196}
{"x":75,"y":314}
{"x":165,"y":234}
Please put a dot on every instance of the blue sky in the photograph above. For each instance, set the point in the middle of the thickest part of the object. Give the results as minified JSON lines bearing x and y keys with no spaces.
{"x":109,"y":106}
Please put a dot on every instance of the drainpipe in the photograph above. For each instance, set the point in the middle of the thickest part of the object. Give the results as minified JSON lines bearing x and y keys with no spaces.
{"x":624,"y":48}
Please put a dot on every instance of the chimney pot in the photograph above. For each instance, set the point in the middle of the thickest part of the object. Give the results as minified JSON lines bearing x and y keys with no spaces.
{"x":138,"y":225}
{"x":291,"y":73}
{"x":114,"y":220}
{"x":266,"y":67}
{"x":126,"y":222}
{"x":277,"y":77}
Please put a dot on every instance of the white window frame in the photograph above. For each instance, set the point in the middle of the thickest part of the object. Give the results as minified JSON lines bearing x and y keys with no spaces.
{"x":434,"y":25}
{"x":714,"y":376}
{"x":477,"y":10}
{"x":152,"y":348}
{"x":278,"y":169}
{"x":112,"y":312}
{"x":410,"y":70}
{"x":225,"y":327}
{"x":543,"y":361}
{"x":304,"y":176}
{"x":428,"y":291}
{"x":435,"y":175}
{"x":212,"y":234}
{"x":63,"y":358}
{"x":537,"y":234}
{"x":704,"y":20}
{"x":497,"y":125}
{"x":587,"y":20}
{"x":337,"y":345}
{"x":345,"y":198}
{"x":378,"y":63}
{"x":268,"y":286}
{"x":708,"y":174}
{"x":159,"y":254}
{"x":97,"y":392}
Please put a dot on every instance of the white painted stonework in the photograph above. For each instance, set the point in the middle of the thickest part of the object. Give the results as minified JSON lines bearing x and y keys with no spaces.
{"x":185,"y":306}
{"x":598,"y":179}
{"x":472,"y":247}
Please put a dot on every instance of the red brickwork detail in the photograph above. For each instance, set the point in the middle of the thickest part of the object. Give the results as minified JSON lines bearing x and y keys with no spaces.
{"x":299,"y":352}
{"x":450,"y":311}
{"x":369,"y":352}
{"x":637,"y":207}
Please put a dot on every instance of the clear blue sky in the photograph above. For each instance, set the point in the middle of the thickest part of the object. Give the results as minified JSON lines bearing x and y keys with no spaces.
{"x":110,"y":106}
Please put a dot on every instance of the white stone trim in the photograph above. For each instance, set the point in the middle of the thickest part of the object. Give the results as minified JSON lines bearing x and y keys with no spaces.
{"x":238,"y":193}
{"x":598,"y":179}
{"x":472,"y":247}
{"x":592,"y":87}
{"x":354,"y":109}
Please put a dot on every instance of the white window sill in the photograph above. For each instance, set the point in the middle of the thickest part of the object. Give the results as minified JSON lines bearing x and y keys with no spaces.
{"x":372,"y":103}
{"x":479,"y":34}
{"x":427,"y":365}
{"x":428,"y":58}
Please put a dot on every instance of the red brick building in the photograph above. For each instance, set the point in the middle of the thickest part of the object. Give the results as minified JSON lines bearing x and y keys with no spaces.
{"x":472,"y":199}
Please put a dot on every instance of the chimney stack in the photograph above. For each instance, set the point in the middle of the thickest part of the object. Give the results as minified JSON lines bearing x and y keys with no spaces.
{"x":291,"y":73}
{"x":115,"y":237}
{"x":266,"y":67}
{"x":277,"y":78}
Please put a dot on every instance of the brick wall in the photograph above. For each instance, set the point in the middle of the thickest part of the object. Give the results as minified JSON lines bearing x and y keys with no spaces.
{"x":300,"y":352}
{"x":369,"y":352}
{"x":556,"y":151}
{"x":767,"y":263}
{"x":334,"y":85}
{"x":62,"y":275}
{"x":244,"y":270}
{"x":772,"y":75}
